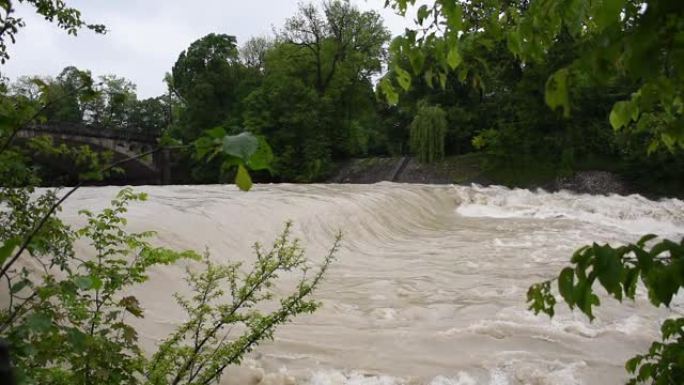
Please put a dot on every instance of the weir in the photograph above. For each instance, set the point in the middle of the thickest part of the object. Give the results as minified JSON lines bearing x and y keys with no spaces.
{"x":430,"y":284}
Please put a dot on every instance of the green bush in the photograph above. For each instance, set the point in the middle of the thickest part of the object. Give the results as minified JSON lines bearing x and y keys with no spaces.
{"x":68,"y":320}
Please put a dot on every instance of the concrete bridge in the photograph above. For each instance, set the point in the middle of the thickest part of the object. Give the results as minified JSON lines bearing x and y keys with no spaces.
{"x":150,"y":169}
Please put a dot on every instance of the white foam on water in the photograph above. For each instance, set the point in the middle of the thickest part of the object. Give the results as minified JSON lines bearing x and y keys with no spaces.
{"x":336,"y":377}
{"x":510,"y":372}
{"x":462,"y":378}
{"x":511,"y":322}
{"x":520,"y":372}
{"x":633,"y":214}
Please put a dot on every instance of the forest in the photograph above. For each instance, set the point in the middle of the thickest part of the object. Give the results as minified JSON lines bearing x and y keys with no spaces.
{"x":310,"y":90}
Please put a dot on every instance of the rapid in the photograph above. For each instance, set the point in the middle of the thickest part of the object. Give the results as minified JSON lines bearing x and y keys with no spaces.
{"x":429,"y":286}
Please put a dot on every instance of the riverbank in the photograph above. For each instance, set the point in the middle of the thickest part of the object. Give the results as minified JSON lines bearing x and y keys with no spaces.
{"x":597,"y":177}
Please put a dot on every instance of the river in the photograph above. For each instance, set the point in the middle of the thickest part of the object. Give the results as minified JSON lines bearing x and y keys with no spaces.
{"x":429,"y":286}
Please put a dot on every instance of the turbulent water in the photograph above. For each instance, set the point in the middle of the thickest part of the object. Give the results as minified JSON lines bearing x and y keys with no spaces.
{"x":429,"y":287}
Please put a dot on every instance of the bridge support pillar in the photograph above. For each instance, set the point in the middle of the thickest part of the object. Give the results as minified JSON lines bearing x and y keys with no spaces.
{"x":165,"y":166}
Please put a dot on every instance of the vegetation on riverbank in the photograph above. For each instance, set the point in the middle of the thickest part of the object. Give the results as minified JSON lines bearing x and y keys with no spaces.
{"x":308,"y":89}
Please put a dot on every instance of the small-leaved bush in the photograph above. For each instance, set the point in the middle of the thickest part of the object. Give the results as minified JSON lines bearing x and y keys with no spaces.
{"x":67,"y":319}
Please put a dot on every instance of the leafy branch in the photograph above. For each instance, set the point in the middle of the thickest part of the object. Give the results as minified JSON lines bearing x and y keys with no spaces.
{"x":201,"y":349}
{"x":618,"y":270}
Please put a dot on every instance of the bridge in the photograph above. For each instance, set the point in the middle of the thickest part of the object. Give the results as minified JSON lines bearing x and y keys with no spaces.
{"x":129,"y":143}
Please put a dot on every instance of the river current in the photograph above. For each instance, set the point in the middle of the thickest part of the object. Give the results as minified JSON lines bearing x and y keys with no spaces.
{"x":429,"y":286}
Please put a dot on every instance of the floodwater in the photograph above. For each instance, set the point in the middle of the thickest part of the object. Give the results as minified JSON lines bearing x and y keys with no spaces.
{"x":429,"y":286}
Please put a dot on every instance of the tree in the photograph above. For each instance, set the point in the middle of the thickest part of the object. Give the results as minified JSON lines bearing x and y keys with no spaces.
{"x":341,"y":34}
{"x":73,"y":89}
{"x":64,"y":97}
{"x":206,"y":77}
{"x":427,"y":133}
{"x":315,"y":102}
{"x":152,"y":115}
{"x":26,"y":87}
{"x":113,"y":101}
{"x":253,"y":52}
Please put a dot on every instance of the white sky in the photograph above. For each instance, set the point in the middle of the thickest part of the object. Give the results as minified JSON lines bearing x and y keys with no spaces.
{"x":146,"y":36}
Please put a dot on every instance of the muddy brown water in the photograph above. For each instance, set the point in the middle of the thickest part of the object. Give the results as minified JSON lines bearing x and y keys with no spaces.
{"x":429,"y":286}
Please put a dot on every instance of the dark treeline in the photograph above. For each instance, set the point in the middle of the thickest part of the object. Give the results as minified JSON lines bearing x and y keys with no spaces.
{"x":309,"y":90}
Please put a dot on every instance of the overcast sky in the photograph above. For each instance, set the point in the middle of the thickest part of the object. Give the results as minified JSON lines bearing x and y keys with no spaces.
{"x":146,"y":36}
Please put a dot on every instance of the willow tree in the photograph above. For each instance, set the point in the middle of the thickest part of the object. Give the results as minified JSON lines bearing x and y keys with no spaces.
{"x":428,"y":129}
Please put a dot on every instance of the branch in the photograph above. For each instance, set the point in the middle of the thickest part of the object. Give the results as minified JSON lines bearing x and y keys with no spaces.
{"x":57,"y":204}
{"x":288,"y":309}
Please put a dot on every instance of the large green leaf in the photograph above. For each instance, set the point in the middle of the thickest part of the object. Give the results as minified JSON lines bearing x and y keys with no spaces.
{"x":403,"y":77}
{"x":454,"y":57}
{"x":19,"y":286}
{"x":607,"y":12}
{"x":609,"y":268}
{"x":83,"y":282}
{"x":242,"y":146}
{"x":663,"y":284}
{"x":216,"y":132}
{"x":387,"y":88}
{"x":262,"y":157}
{"x":556,"y":93}
{"x":422,"y":14}
{"x":585,"y":298}
{"x":38,"y":322}
{"x":566,"y":281}
{"x":7,"y":249}
{"x":622,"y":114}
{"x":242,"y":179}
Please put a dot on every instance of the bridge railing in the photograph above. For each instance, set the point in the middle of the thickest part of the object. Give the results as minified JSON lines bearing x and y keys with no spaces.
{"x":129,"y":134}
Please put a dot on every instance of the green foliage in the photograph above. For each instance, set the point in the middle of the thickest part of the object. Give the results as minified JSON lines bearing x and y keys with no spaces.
{"x":206,"y":77}
{"x":315,"y":103}
{"x":242,"y":150}
{"x":618,"y":270}
{"x":518,"y":58}
{"x":556,"y":94}
{"x":67,"y":320}
{"x":427,"y":133}
{"x":109,"y":103}
{"x":201,"y":348}
{"x":630,"y":41}
{"x":663,"y":362}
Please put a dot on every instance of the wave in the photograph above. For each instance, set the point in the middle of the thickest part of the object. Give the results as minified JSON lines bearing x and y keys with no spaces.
{"x":632,"y":214}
